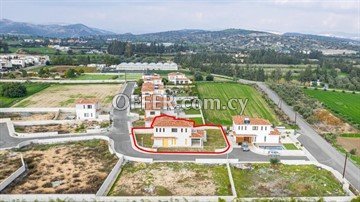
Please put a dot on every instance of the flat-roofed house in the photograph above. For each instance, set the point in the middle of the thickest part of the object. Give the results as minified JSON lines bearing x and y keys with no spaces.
{"x":254,"y":131}
{"x":87,"y":109}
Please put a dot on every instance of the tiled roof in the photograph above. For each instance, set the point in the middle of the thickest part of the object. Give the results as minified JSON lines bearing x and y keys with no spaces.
{"x":275,"y":132}
{"x":87,"y":101}
{"x":239,"y":120}
{"x":169,"y":121}
{"x":198,"y":134}
{"x":147,"y":87}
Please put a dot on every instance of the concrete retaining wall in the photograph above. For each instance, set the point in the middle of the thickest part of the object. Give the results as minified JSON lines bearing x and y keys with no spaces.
{"x":14,"y":175}
{"x":110,"y":179}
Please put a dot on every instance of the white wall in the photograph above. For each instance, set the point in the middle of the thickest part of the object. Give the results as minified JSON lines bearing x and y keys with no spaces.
{"x":182,"y":138}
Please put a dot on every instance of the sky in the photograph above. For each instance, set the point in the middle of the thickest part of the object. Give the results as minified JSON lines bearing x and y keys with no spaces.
{"x":145,"y":16}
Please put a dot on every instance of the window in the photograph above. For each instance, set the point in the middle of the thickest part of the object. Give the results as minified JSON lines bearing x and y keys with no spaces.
{"x":264,"y":138}
{"x":255,"y":127}
{"x":261,"y":128}
{"x":181,"y":130}
{"x":163,"y":129}
{"x":86,"y":115}
{"x":89,"y":106}
{"x":265,"y":127}
{"x":84,"y":106}
{"x":91,"y":115}
{"x":174,"y":130}
{"x":238,"y":127}
{"x":245,"y":127}
{"x":152,"y":113}
{"x":185,"y":130}
{"x":156,"y":129}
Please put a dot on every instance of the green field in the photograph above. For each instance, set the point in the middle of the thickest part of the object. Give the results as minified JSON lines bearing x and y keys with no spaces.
{"x":346,"y":105}
{"x":31,"y":88}
{"x":96,"y":77}
{"x":290,"y":146}
{"x":35,"y":50}
{"x":256,"y":105}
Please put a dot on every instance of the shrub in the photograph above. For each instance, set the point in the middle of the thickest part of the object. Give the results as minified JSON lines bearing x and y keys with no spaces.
{"x":12,"y":76}
{"x":209,"y":77}
{"x":353,"y":92}
{"x":274,"y":161}
{"x":333,"y":90}
{"x":343,"y":91}
{"x":353,"y":151}
{"x":13,"y":90}
{"x":198,"y":76}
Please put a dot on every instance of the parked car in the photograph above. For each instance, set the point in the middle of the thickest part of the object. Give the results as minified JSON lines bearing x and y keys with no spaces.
{"x":273,"y":153}
{"x":245,"y":146}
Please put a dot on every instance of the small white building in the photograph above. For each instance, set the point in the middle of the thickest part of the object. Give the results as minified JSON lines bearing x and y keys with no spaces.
{"x":174,"y":132}
{"x":18,"y":63}
{"x":87,"y":109}
{"x":254,"y":131}
{"x":178,"y":78}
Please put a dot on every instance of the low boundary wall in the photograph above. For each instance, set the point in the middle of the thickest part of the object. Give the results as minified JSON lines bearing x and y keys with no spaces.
{"x":110,"y":179}
{"x":14,"y":175}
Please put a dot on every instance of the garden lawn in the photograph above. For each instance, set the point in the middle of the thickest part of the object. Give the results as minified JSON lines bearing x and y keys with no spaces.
{"x":198,"y":120}
{"x":256,"y":105}
{"x":290,"y":146}
{"x":192,"y":111}
{"x":265,"y":180}
{"x":144,"y":140}
{"x":215,"y":140}
{"x":31,"y":88}
{"x":344,"y":104}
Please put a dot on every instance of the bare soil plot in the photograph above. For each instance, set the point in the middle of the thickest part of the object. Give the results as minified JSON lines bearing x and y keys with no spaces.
{"x":331,"y":124}
{"x":349,"y":143}
{"x":77,"y":127}
{"x":26,"y":116}
{"x":266,"y":180}
{"x":66,"y":95}
{"x":79,"y":167}
{"x":9,"y":163}
{"x":166,"y":179}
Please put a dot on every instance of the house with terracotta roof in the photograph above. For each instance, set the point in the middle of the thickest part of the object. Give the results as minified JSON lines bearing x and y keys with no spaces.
{"x":254,"y":131}
{"x":152,"y":78}
{"x":87,"y":109}
{"x":178,"y":78}
{"x":169,"y":131}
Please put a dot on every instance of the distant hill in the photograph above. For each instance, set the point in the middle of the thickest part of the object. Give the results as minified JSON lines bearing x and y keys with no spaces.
{"x":73,"y":30}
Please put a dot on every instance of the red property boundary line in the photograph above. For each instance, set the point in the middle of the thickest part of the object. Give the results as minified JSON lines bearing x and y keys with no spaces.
{"x":180,"y":152}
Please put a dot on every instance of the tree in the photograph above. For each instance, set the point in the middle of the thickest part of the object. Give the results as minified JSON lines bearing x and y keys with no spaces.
{"x":23,"y":73}
{"x":70,"y":73}
{"x":13,"y":90}
{"x":128,"y":50}
{"x":288,"y":75}
{"x":209,"y":77}
{"x":198,"y":76}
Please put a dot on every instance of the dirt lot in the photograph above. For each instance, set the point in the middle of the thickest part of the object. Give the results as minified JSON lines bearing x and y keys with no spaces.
{"x":66,"y":95}
{"x":9,"y":163}
{"x":78,"y":127}
{"x":331,"y":124}
{"x":349,"y":143}
{"x":166,"y":179}
{"x":266,"y":180}
{"x":79,"y":167}
{"x":25,"y":116}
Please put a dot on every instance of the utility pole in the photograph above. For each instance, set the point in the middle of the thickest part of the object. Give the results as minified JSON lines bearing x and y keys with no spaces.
{"x":346,"y":156}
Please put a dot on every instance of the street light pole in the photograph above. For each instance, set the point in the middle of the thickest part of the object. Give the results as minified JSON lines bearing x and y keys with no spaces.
{"x":346,"y":156}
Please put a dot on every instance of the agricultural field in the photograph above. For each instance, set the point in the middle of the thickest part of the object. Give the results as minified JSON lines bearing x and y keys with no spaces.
{"x":31,"y":88}
{"x":34,"y":50}
{"x":66,"y":95}
{"x":266,"y":180}
{"x":96,"y":77}
{"x":345,"y":105}
{"x":67,"y":168}
{"x":158,"y":179}
{"x":256,"y":105}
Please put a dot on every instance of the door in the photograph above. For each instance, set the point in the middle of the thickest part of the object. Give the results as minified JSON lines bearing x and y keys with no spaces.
{"x":165,"y":142}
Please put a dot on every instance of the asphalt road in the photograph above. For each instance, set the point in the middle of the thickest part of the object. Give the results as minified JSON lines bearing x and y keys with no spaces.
{"x":314,"y":143}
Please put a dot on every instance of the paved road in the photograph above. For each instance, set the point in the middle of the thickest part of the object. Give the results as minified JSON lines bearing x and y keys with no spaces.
{"x":122,"y":143}
{"x":317,"y":146}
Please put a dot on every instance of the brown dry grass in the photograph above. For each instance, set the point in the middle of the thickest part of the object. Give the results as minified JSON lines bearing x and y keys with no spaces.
{"x":331,"y":124}
{"x":349,"y":143}
{"x":9,"y":163}
{"x":66,"y":95}
{"x":80,"y":167}
{"x":28,"y":116}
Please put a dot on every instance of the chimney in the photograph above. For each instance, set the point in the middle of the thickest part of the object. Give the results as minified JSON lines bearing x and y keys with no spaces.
{"x":246,"y":120}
